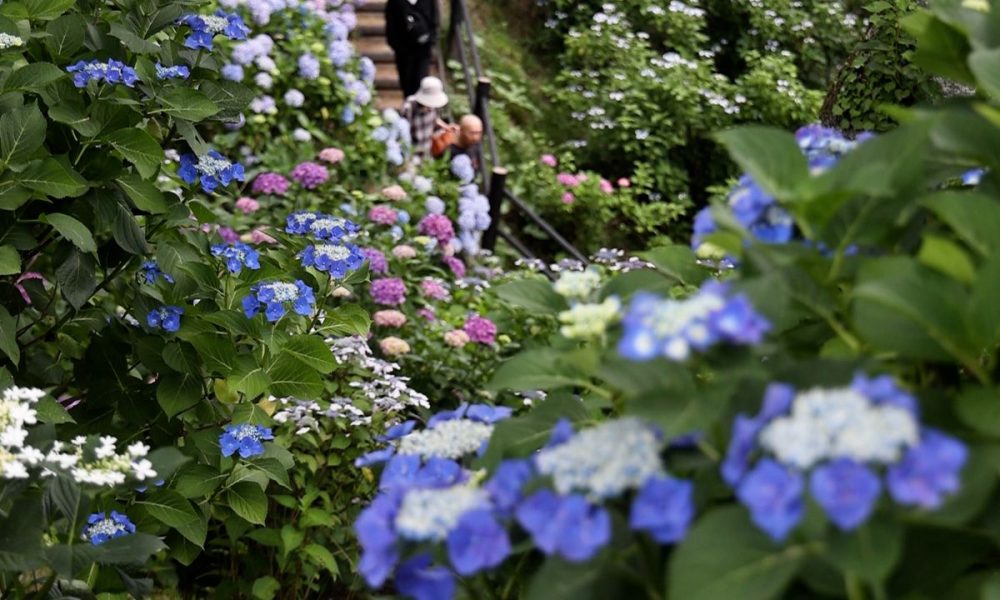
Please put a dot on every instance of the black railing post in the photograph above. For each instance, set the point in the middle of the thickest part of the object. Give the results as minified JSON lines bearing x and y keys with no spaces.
{"x":496,"y":194}
{"x":455,"y":13}
{"x":482,"y":98}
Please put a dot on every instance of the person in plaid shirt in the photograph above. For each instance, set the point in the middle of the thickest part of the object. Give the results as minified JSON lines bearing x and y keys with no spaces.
{"x":422,"y":111}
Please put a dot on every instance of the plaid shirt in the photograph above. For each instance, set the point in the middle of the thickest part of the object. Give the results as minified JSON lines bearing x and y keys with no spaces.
{"x":422,"y":121}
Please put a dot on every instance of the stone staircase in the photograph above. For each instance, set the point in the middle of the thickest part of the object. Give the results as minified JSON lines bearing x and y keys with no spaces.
{"x":370,"y":41}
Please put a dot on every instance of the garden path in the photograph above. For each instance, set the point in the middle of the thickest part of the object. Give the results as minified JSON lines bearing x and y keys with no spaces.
{"x":370,"y":42}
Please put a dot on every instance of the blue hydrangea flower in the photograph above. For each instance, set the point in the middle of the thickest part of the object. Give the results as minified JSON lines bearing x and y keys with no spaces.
{"x":101,"y":528}
{"x":418,"y":580}
{"x":204,"y":28}
{"x":167,"y":318}
{"x":929,"y":472}
{"x":347,"y":115}
{"x":569,"y":526}
{"x":844,"y":439}
{"x":664,"y":508}
{"x":376,"y":532}
{"x":434,"y":205}
{"x":113,"y":72}
{"x":972,"y":177}
{"x":334,"y":229}
{"x":461,"y":168}
{"x":336,"y":259}
{"x":174,"y":72}
{"x":232,"y":72}
{"x":507,"y":482}
{"x":244,"y":438}
{"x":274,"y":296}
{"x":847,"y":491}
{"x":773,"y":493}
{"x":212,"y":170}
{"x":150,"y":271}
{"x":237,"y":256}
{"x":673,"y":328}
{"x":478,"y":542}
{"x":308,"y":66}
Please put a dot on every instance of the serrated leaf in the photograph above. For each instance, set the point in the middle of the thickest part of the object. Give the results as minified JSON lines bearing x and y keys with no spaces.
{"x":8,"y":336}
{"x":771,"y":156}
{"x":22,"y":131}
{"x":322,"y":557}
{"x":276,"y":472}
{"x":75,"y":276}
{"x":65,"y":35}
{"x":248,"y":501}
{"x":312,"y":351}
{"x":198,"y":481}
{"x":290,"y":377}
{"x":54,"y":179}
{"x":177,"y":392}
{"x":74,"y":231}
{"x":532,"y":294}
{"x":132,"y":41}
{"x":146,"y":196}
{"x":46,"y":10}
{"x":33,"y":77}
{"x":188,"y":104}
{"x":139,"y":148}
{"x":10,"y":261}
{"x":173,"y":510}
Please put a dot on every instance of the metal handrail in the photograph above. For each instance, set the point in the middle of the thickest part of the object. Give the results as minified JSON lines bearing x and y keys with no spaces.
{"x":460,"y":24}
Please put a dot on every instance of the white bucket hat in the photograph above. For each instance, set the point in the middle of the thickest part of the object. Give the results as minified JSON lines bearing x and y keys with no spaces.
{"x":431,"y":93}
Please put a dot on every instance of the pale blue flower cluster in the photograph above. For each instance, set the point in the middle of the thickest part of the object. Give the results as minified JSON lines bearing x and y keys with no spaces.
{"x":656,"y":326}
{"x":473,"y":218}
{"x":461,"y":168}
{"x":321,"y":226}
{"x":835,"y":443}
{"x":395,"y":134}
{"x":174,"y":72}
{"x":211,"y":170}
{"x":336,"y":259}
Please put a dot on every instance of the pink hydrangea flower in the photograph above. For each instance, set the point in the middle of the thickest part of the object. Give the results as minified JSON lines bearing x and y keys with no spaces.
{"x":310,"y":175}
{"x":549,"y":161}
{"x":404,"y":252}
{"x":389,"y":291}
{"x":228,"y":235}
{"x":456,"y":338}
{"x":258,"y":236}
{"x":456,"y":265}
{"x":247,"y":205}
{"x":568,"y":198}
{"x":332,"y":155}
{"x":567,"y":180}
{"x":270,"y":183}
{"x":480,"y":330}
{"x":393,"y":346}
{"x":382,"y":214}
{"x":624,"y":182}
{"x":437,"y":226}
{"x":389,"y":318}
{"x":394,"y":193}
{"x":606,"y":186}
{"x":434,"y":289}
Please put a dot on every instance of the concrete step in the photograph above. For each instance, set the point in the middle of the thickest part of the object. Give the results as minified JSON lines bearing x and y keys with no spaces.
{"x":389,"y":99}
{"x":375,"y":48}
{"x":372,"y":24}
{"x":372,"y":6}
{"x":386,"y":76}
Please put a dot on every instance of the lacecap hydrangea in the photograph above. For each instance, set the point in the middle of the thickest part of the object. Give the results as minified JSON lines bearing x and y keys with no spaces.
{"x":276,"y":297}
{"x":335,"y":259}
{"x":320,"y":226}
{"x":236,"y":256}
{"x":656,"y":326}
{"x":100,"y":528}
{"x":244,"y":438}
{"x":205,"y":28}
{"x":211,"y":170}
{"x":843,"y":446}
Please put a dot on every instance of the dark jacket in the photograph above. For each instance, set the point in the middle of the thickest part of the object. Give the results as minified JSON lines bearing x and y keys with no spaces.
{"x":396,"y":12}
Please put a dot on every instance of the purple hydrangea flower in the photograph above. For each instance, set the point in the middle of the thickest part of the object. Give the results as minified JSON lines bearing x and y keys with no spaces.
{"x":310,"y":175}
{"x":377,"y":262}
{"x":480,"y":330}
{"x":270,"y":183}
{"x":388,"y":291}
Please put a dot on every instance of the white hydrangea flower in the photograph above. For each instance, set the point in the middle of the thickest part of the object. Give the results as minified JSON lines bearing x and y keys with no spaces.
{"x":448,"y":439}
{"x":603,"y":461}
{"x":585,"y":321}
{"x":825,"y":424}
{"x":577,"y":284}
{"x":430,"y":514}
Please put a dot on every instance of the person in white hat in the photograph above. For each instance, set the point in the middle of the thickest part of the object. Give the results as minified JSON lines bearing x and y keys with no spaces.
{"x":422,"y":111}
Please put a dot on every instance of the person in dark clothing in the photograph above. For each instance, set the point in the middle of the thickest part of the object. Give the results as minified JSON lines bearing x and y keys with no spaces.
{"x":411,"y":29}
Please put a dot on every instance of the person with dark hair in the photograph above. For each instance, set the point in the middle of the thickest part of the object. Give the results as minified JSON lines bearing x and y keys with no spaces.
{"x":411,"y":29}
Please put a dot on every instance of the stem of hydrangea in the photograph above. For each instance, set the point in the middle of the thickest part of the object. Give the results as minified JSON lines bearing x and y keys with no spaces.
{"x":854,"y":587}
